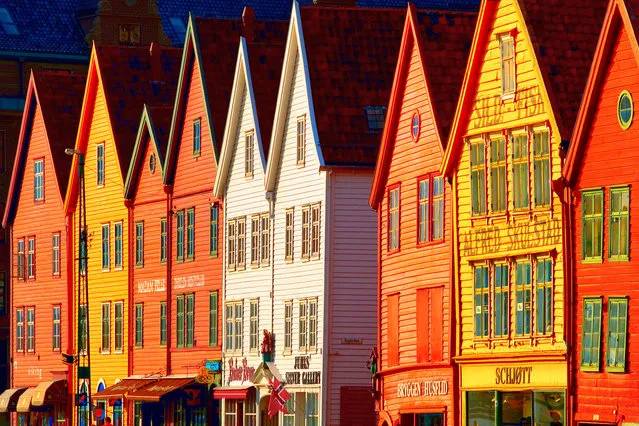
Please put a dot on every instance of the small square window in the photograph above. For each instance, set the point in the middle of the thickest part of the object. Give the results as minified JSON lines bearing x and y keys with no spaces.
{"x":376,"y":116}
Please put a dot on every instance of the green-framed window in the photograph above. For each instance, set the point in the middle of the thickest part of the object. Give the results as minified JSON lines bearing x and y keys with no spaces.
{"x":424,"y":210}
{"x":179,"y":242}
{"x":477,"y":177}
{"x":544,"y":297}
{"x":139,"y":324}
{"x":591,"y":334}
{"x":213,"y":229}
{"x":163,"y":323}
{"x":501,"y":301}
{"x":523,"y":302}
{"x":139,"y":244}
{"x":482,"y":297}
{"x":498,"y":175}
{"x":521,"y":176}
{"x":106,"y":245}
{"x":592,"y":224}
{"x":190,"y":320}
{"x":619,"y":223}
{"x":163,"y":240}
{"x":197,"y":137}
{"x":118,"y":244}
{"x":393,"y":219}
{"x":617,"y":333}
{"x":99,"y":168}
{"x":119,"y":326}
{"x":179,"y":324}
{"x":190,"y":233}
{"x":541,"y":152}
{"x":213,"y":318}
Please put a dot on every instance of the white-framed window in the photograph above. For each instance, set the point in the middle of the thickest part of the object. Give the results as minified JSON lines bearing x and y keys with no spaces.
{"x":232,"y":251}
{"x":139,"y":325}
{"x":541,"y":167}
{"x":306,"y":232}
{"x":241,"y":243}
{"x":312,"y":324}
{"x":55,"y":254}
{"x":290,"y":221}
{"x":117,"y":229}
{"x":250,"y":409}
{"x":163,"y":323}
{"x":99,"y":166}
{"x":312,"y":409}
{"x":197,"y":137}
{"x":190,"y":233}
{"x":56,"y":330}
{"x":21,"y":257}
{"x":255,"y":241}
{"x":508,"y":72}
{"x":31,"y":265}
{"x":38,"y":180}
{"x":303,"y":325}
{"x":265,"y":241}
{"x":139,"y":243}
{"x":249,"y":154}
{"x":289,"y":416}
{"x":315,"y":230}
{"x":288,"y":326}
{"x":119,"y":326}
{"x":31,"y":329}
{"x":301,"y":140}
{"x":230,"y":412}
{"x":20,"y":330}
{"x":254,"y":326}
{"x":106,"y":247}
{"x":163,"y":240}
{"x":393,"y":219}
{"x":106,"y":327}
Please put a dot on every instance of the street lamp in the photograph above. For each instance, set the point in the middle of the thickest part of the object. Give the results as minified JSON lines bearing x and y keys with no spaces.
{"x":83,"y":371}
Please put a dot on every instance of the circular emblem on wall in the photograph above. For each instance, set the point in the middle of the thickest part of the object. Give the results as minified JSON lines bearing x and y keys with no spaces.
{"x":415,"y":125}
{"x":625,"y":109}
{"x":152,"y":163}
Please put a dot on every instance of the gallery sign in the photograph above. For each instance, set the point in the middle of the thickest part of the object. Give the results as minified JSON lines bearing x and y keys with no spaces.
{"x":422,"y":388}
{"x":303,"y":377}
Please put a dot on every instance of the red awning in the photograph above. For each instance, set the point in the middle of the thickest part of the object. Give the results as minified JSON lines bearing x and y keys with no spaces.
{"x":50,"y":393}
{"x":122,"y":388}
{"x":231,"y":392}
{"x":162,"y":387}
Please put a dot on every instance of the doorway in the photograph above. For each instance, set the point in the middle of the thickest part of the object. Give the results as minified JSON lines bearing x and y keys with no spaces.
{"x":264,"y":418}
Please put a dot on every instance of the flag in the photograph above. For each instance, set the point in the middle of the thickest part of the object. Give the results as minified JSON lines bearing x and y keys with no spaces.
{"x":278,"y":399}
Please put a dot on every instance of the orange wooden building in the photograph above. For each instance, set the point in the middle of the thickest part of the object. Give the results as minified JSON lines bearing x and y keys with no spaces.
{"x":416,"y":380}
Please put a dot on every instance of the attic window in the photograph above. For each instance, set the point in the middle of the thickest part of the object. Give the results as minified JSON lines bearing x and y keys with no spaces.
{"x":508,"y":77}
{"x":152,"y":163}
{"x":7,"y":23}
{"x":625,"y":109}
{"x":376,"y":116}
{"x":178,"y":26}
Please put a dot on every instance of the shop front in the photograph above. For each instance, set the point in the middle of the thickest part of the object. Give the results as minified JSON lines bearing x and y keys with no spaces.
{"x":304,"y":385}
{"x":514,"y":393}
{"x":111,"y":400}
{"x":43,"y":405}
{"x":9,"y":402}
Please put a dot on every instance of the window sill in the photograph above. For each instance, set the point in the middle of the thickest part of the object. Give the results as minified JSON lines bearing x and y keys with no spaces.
{"x":619,"y":259}
{"x":106,"y":270}
{"x":241,"y":268}
{"x":300,"y":165}
{"x":592,"y":260}
{"x":118,"y":352}
{"x":118,"y":268}
{"x":190,"y":259}
{"x":615,"y":369}
{"x":105,"y":352}
{"x":431,"y":243}
{"x":196,"y":154}
{"x":589,"y":369}
{"x":179,"y":260}
{"x":508,"y":96}
{"x":289,"y":260}
{"x":248,"y":176}
{"x":213,"y":255}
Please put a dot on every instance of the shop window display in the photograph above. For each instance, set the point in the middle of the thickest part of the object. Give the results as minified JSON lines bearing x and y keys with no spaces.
{"x":539,"y":408}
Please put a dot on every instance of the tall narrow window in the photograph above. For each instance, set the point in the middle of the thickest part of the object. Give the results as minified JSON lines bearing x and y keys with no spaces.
{"x":179,"y":323}
{"x":119,"y":326}
{"x":139,"y":324}
{"x":19,"y":330}
{"x":118,"y":245}
{"x":617,"y":330}
{"x":502,"y":298}
{"x":239,"y":325}
{"x":393,"y":219}
{"x":591,"y":334}
{"x":438,"y":208}
{"x":196,"y":138}
{"x":477,"y":178}
{"x":190,"y":318}
{"x":56,"y":343}
{"x":241,"y":243}
{"x":162,"y":323}
{"x":301,"y":140}
{"x":179,"y":241}
{"x":288,"y":251}
{"x":83,"y":251}
{"x":544,"y":296}
{"x":288,"y":326}
{"x":21,"y":259}
{"x":265,"y":241}
{"x":306,"y":232}
{"x":38,"y":180}
{"x":520,"y":171}
{"x":163,"y":240}
{"x":315,"y":231}
{"x":523,"y":301}
{"x":230,"y":337}
{"x":106,"y":327}
{"x":424,"y":210}
{"x":619,"y":223}
{"x":213,"y":230}
{"x":139,"y":244}
{"x":106,"y":247}
{"x":498,"y":175}
{"x":55,"y":254}
{"x":592,"y":223}
{"x":190,"y":233}
{"x":312,"y":324}
{"x":213,"y":300}
{"x":508,"y":76}
{"x":232,"y":241}
{"x":255,"y":240}
{"x":481,"y":301}
{"x":82,"y":329}
{"x":254,"y":325}
{"x":31,"y":271}
{"x":248,"y":154}
{"x":312,"y":409}
{"x":303,"y":325}
{"x":289,"y":414}
{"x":99,"y":167}
{"x":30,"y":329}
{"x":541,"y":152}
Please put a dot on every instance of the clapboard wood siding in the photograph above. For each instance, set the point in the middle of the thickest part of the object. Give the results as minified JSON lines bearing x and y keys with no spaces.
{"x":604,"y":165}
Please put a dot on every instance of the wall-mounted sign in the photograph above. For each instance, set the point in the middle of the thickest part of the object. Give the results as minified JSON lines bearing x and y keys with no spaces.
{"x":243,"y":373}
{"x":151,"y":286}
{"x":304,"y":378}
{"x":302,"y":362}
{"x":416,"y":389}
{"x":512,"y":375}
{"x":188,"y":282}
{"x":215,"y":366}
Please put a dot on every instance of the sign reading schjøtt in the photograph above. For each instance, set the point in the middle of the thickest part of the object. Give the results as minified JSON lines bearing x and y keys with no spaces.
{"x":415,"y":389}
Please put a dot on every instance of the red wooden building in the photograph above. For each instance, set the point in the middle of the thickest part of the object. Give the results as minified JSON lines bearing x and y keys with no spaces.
{"x":41,"y":321}
{"x":416,"y":378}
{"x":600,"y":175}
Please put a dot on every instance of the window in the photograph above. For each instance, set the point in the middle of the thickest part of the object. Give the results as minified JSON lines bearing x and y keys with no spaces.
{"x":30,"y":329}
{"x":83,"y":330}
{"x":139,"y":324}
{"x":213,"y":230}
{"x":196,"y":138}
{"x":477,"y":178}
{"x":501,"y":281}
{"x":303,"y":325}
{"x":250,"y":409}
{"x":591,"y":334}
{"x":179,"y":329}
{"x":118,"y":245}
{"x":393,"y":219}
{"x":190,"y":233}
{"x":625,"y":109}
{"x":239,"y":325}
{"x":265,"y":242}
{"x":152,"y":163}
{"x":424,"y":211}
{"x":312,"y":409}
{"x":99,"y":168}
{"x":430,"y":209}
{"x":248,"y":154}
{"x":106,"y":253}
{"x":617,"y":329}
{"x":508,"y":76}
{"x":119,"y":317}
{"x":289,"y":414}
{"x":592,"y":224}
{"x":312,"y":324}
{"x":520,"y":171}
{"x":498,"y":175}
{"x":541,"y":152}
{"x":619,"y":223}
{"x":301,"y":140}
{"x":438,"y":208}
{"x":523,"y":298}
{"x":231,"y":246}
{"x":106,"y":328}
{"x":19,"y":330}
{"x":230,"y":412}
{"x":213,"y":299}
{"x":288,"y":250}
{"x":21,"y":259}
{"x":241,"y":243}
{"x":139,"y":244}
{"x":255,"y":240}
{"x":179,"y":219}
{"x":415,"y":127}
{"x":38,"y":180}
{"x":234,"y":326}
{"x":376,"y":117}
{"x":288,"y":326}
{"x":544,"y":296}
{"x":31,"y":258}
{"x":481,"y":301}
{"x":190,"y":310}
{"x":185,"y":320}
{"x":56,"y":343}
{"x":254,"y":325}
{"x":55,"y":254}
{"x":163,"y":240}
{"x":162,"y":323}
{"x":306,"y":232}
{"x":315,"y":231}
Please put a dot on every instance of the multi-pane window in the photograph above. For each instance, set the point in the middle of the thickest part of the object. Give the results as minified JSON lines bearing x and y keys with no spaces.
{"x":179,"y":323}
{"x":520,"y":171}
{"x":619,"y":223}
{"x":119,"y":326}
{"x":21,"y":259}
{"x":213,"y":230}
{"x":83,"y":329}
{"x":430,"y":206}
{"x":55,"y":254}
{"x":523,"y":302}
{"x":289,"y":414}
{"x":482,"y":298}
{"x":179,"y":241}
{"x":197,"y":136}
{"x":498,"y":175}
{"x":591,"y":334}
{"x":232,"y":258}
{"x":303,"y":325}
{"x":312,"y":409}
{"x":248,"y":154}
{"x":312,"y":324}
{"x":239,"y":325}
{"x":288,"y":326}
{"x":250,"y":409}
{"x":315,"y":230}
{"x":301,"y":141}
{"x":106,"y":327}
{"x":31,"y":257}
{"x":501,"y":281}
{"x":189,"y":333}
{"x":254,"y":325}
{"x":241,"y":243}
{"x":477,"y":178}
{"x":162,"y":323}
{"x":234,"y":326}
{"x":255,"y":240}
{"x":265,"y":242}
{"x":99,"y":167}
{"x":106,"y":247}
{"x":139,"y":324}
{"x":306,"y":231}
{"x":438,"y":208}
{"x":617,"y":330}
{"x":38,"y":180}
{"x":424,"y":210}
{"x":30,"y":329}
{"x":213,"y":300}
{"x":541,"y":154}
{"x":117,"y":229}
{"x":592,"y":223}
{"x":393,"y":219}
{"x":139,"y":243}
{"x":56,"y":331}
{"x":508,"y":76}
{"x":230,"y":412}
{"x":19,"y":330}
{"x":544,"y":296}
{"x":376,"y":116}
{"x":163,"y":240}
{"x":288,"y":249}
{"x":190,"y":233}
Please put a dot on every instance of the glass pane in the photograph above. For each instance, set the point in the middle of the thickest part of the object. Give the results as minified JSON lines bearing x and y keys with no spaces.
{"x":516,"y":408}
{"x":480,"y":408}
{"x":549,"y":408}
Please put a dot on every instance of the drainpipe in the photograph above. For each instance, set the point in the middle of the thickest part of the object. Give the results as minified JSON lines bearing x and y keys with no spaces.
{"x":168,"y":189}
{"x":327,"y":329}
{"x":270,"y":197}
{"x":131,"y":303}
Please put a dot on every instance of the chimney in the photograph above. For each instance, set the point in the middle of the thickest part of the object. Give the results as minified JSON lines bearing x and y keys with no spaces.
{"x":248,"y":21}
{"x":156,"y":61}
{"x":335,"y":3}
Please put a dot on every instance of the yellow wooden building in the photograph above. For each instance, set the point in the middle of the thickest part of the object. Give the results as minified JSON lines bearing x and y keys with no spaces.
{"x":518,"y":102}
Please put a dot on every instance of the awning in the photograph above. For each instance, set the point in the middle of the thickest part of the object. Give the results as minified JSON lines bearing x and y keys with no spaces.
{"x":9,"y":399}
{"x":162,"y":387}
{"x":50,"y":393}
{"x":232,"y":392}
{"x":122,"y":388}
{"x":24,"y":402}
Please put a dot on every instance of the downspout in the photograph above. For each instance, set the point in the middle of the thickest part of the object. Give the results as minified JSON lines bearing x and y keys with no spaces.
{"x":380,"y":377}
{"x":168,"y":189}
{"x":456,"y":324}
{"x":131,"y":303}
{"x":567,"y":204}
{"x":270,"y":196}
{"x":328,"y":274}
{"x":71,"y":312}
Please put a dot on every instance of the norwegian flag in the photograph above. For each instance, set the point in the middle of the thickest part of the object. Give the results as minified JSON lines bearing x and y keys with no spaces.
{"x":278,"y":399}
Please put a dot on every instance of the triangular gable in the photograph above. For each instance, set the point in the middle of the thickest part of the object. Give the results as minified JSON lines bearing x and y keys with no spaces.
{"x":618,"y":15}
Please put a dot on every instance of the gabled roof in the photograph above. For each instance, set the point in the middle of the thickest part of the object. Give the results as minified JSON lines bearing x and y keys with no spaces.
{"x":621,"y":13}
{"x":59,"y":95}
{"x":563,"y":34}
{"x":443,"y":42}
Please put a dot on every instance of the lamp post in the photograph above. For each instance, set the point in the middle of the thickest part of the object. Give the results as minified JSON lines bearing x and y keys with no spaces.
{"x":83,"y":371}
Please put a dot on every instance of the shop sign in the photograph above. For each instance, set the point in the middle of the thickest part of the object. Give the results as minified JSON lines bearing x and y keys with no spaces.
{"x":243,"y":373}
{"x":512,"y":375}
{"x":303,"y":377}
{"x":188,"y":282}
{"x":425,"y":388}
{"x":151,"y":286}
